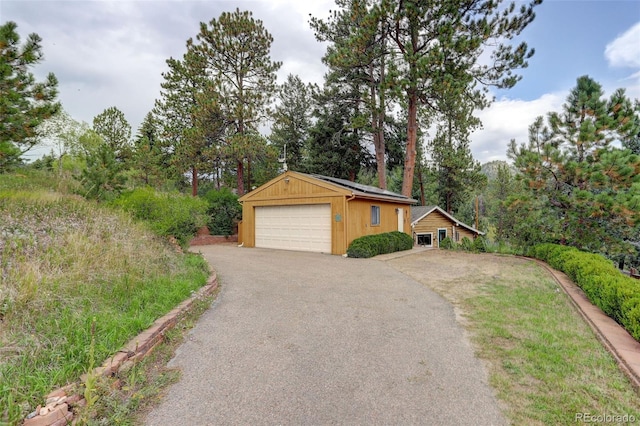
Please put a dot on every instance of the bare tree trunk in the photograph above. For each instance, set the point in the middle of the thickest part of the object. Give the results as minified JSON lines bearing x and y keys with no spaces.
{"x":410,"y":154}
{"x":377,"y":128}
{"x":240,"y":181}
{"x":249,"y":174}
{"x":194,"y":181}
{"x":420,"y":179}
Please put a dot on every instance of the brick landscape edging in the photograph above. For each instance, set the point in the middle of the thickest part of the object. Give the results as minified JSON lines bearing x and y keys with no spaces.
{"x":57,"y":410}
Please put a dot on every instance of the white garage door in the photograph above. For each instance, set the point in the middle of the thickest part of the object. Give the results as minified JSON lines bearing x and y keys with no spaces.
{"x":302,"y":227}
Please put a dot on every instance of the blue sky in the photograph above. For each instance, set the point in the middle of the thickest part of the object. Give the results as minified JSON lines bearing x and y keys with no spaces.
{"x":112,"y":53}
{"x":599,"y":38}
{"x":570,"y":38}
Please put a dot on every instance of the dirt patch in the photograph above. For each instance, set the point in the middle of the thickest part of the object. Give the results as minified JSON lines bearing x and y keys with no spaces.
{"x":454,"y":273}
{"x":456,"y":276}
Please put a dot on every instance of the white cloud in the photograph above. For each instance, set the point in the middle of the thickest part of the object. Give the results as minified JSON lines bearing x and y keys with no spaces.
{"x":624,"y":51}
{"x":508,"y":119}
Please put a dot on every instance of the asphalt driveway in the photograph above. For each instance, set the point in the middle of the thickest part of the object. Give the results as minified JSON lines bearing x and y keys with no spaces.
{"x":305,"y":338}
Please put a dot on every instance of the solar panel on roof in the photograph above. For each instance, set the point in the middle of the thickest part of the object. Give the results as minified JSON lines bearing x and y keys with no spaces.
{"x":360,"y":187}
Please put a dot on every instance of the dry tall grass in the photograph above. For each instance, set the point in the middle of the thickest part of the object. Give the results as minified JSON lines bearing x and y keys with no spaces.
{"x":64,"y":262}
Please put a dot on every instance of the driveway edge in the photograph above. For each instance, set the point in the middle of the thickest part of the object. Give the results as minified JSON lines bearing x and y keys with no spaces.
{"x":59,"y":404}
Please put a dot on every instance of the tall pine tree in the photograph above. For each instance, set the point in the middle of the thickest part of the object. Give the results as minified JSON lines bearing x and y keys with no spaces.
{"x":292,"y":120}
{"x":235,"y":49}
{"x":24,"y":102}
{"x":590,"y":187}
{"x":114,"y":128}
{"x":357,"y":58}
{"x":437,"y":46}
{"x":177,"y":107}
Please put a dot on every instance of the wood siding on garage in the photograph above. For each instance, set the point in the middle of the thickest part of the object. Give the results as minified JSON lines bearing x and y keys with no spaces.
{"x":337,"y":227}
{"x":291,"y":191}
{"x":360,"y":218}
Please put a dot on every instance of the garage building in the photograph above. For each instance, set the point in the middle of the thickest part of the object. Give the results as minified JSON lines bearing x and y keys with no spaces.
{"x":297,"y":211}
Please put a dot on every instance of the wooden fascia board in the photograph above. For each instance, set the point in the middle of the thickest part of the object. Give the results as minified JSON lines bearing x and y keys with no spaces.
{"x":363,"y":196}
{"x":290,"y":174}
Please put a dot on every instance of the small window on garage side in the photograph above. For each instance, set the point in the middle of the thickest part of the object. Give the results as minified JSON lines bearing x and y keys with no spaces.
{"x":375,"y":215}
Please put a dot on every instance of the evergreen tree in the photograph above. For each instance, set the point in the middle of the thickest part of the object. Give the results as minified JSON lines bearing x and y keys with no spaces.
{"x":235,"y":49}
{"x":591,"y":189}
{"x":334,"y":146}
{"x":292,"y":120}
{"x":150,"y":164}
{"x":183,"y":85}
{"x":24,"y":102}
{"x":395,"y":141}
{"x":357,"y":57}
{"x":625,"y":119}
{"x":437,"y":46}
{"x":262,"y":160}
{"x":500,"y":188}
{"x":149,"y":129}
{"x":458,"y":175}
{"x":114,"y":128}
{"x":102,"y":179}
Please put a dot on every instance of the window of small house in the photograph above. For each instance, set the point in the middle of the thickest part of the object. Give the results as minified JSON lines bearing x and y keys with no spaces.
{"x":375,"y":215}
{"x":425,"y":239}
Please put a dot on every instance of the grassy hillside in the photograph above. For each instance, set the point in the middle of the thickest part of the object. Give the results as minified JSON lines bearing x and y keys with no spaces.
{"x":65,"y":263}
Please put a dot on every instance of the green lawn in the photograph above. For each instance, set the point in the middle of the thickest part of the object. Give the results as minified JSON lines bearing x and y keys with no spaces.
{"x":544,"y":361}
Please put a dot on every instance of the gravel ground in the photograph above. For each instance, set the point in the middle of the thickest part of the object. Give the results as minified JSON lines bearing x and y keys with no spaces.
{"x":305,"y":338}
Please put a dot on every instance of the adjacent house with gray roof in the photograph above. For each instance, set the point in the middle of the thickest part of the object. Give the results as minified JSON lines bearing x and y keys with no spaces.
{"x":431,"y":224}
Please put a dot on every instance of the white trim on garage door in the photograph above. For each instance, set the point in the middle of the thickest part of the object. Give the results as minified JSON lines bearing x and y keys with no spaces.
{"x":305,"y":227}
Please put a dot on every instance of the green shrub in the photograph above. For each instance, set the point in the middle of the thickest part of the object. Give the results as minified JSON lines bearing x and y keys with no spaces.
{"x":447,"y":244}
{"x":373,"y":245}
{"x":617,"y":295}
{"x":479,"y":245}
{"x":466,"y":244}
{"x":361,"y":248}
{"x":223,"y":211}
{"x":168,"y":214}
{"x":102,"y":178}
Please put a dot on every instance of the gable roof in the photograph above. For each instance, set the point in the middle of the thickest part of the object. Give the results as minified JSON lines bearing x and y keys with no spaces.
{"x":327,"y":187}
{"x":340,"y":186}
{"x":366,"y":191}
{"x":420,"y":212}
